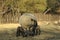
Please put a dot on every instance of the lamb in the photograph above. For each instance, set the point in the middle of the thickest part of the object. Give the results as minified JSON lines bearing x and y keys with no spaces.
{"x":28,"y":24}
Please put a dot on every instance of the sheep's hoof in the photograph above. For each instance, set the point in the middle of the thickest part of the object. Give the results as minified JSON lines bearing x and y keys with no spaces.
{"x":24,"y":35}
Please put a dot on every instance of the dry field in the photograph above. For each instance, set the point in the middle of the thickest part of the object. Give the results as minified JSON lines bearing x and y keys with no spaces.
{"x":49,"y":31}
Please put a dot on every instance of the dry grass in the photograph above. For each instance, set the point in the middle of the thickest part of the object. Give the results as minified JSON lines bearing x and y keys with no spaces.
{"x":48,"y":32}
{"x":12,"y":25}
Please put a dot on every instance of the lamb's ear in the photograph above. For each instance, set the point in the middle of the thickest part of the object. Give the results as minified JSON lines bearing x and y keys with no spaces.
{"x":32,"y":20}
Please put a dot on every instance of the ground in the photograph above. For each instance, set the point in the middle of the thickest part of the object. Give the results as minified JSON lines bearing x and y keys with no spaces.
{"x":49,"y":31}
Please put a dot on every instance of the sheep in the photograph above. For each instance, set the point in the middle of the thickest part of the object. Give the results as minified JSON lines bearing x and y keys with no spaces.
{"x":28,"y":24}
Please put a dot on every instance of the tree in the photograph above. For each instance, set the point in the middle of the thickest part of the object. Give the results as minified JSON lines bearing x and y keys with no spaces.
{"x":53,"y":5}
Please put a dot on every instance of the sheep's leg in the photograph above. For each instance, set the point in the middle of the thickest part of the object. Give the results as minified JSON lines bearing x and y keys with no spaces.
{"x":18,"y":33}
{"x":25,"y":33}
{"x":38,"y":31}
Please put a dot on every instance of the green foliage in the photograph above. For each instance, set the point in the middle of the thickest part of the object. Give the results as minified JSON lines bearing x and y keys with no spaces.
{"x":54,"y":4}
{"x":35,"y":5}
{"x":51,"y":3}
{"x":27,"y":5}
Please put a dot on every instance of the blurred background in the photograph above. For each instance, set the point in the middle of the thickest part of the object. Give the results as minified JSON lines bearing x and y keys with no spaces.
{"x":11,"y":10}
{"x":47,"y":13}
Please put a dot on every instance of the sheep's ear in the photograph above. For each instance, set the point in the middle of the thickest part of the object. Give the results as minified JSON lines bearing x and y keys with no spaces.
{"x":32,"y":20}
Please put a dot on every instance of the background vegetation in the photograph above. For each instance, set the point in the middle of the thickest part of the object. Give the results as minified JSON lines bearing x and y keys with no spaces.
{"x":10,"y":10}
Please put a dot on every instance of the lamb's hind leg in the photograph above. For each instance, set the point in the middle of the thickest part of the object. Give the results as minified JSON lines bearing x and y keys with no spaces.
{"x":38,"y":31}
{"x":18,"y":31}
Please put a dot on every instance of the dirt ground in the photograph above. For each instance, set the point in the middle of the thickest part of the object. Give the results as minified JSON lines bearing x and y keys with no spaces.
{"x":49,"y":31}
